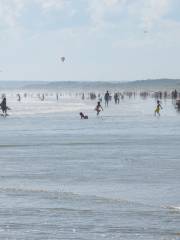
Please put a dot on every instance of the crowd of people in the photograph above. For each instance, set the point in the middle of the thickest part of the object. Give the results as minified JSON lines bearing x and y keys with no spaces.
{"x":117,"y":96}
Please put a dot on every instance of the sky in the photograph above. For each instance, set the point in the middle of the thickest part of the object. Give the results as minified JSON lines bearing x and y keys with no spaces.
{"x":102,"y":40}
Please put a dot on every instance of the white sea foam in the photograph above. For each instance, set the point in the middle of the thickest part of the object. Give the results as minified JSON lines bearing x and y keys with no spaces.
{"x":32,"y":105}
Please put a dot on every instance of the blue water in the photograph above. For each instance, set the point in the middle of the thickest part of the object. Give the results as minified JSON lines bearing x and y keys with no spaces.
{"x":112,"y":177}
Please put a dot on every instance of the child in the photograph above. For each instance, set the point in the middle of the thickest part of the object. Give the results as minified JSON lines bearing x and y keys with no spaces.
{"x":83,"y":116}
{"x":98,"y":108}
{"x":157,"y":110}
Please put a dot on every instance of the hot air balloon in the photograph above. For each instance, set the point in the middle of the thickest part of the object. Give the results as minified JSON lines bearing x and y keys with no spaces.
{"x":63,"y":59}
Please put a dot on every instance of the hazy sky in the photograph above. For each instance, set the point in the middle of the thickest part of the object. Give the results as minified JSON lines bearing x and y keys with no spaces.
{"x":101,"y":39}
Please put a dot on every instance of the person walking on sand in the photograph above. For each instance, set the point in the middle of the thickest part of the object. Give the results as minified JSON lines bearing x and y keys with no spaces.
{"x":157,"y":110}
{"x":98,"y":108}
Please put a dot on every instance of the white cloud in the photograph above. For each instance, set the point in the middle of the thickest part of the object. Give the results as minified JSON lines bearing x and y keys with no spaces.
{"x":10,"y":11}
{"x":99,"y":9}
{"x":51,"y":4}
{"x":149,"y":12}
{"x":153,"y":11}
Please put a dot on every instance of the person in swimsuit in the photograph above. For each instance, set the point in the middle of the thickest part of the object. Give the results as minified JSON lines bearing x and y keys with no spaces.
{"x":157,"y":110}
{"x":98,"y":108}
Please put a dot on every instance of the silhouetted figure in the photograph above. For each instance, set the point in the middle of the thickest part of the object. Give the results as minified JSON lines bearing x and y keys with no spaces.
{"x":83,"y":116}
{"x":174,"y":94}
{"x":43,"y":97}
{"x":19,"y":97}
{"x":178,"y":105}
{"x":4,"y":107}
{"x":116,"y":98}
{"x":92,"y":96}
{"x":106,"y":98}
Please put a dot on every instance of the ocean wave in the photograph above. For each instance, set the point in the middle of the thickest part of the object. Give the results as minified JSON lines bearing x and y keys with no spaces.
{"x":95,"y":143}
{"x":69,"y":195}
{"x":176,"y":208}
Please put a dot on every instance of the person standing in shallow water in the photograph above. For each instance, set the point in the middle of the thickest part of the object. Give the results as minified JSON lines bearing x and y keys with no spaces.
{"x":157,"y":110}
{"x":106,"y":98}
{"x":98,"y":108}
{"x":4,"y":106}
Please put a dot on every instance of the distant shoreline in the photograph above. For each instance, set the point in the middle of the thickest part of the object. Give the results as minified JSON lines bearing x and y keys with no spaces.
{"x":149,"y":85}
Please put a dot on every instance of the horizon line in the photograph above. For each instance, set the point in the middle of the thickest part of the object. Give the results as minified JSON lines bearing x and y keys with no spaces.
{"x":84,"y":81}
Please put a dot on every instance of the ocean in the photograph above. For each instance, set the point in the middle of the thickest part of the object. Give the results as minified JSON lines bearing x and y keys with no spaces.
{"x":116,"y":176}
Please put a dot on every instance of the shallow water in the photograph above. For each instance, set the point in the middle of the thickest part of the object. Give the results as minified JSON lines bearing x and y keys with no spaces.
{"x":112,"y":177}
